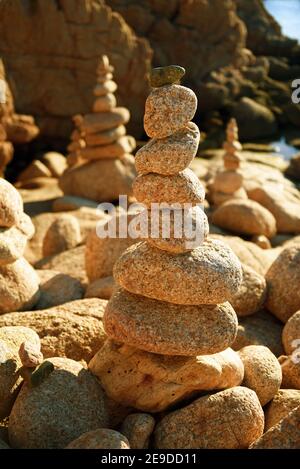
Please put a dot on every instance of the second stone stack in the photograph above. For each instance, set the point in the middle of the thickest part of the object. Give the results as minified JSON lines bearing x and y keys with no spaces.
{"x":169,"y":323}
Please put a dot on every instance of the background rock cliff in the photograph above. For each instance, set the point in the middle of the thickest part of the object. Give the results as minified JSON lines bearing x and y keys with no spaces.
{"x":50,"y":50}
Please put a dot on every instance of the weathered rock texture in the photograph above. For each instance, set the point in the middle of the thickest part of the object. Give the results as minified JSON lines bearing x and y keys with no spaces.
{"x":58,"y":44}
{"x":210,"y":422}
{"x":172,"y":302}
{"x":73,"y":330}
{"x":68,"y":403}
{"x":100,"y":137}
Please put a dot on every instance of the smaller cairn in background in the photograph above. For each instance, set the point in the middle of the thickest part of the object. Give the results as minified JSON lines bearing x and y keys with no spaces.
{"x":228,"y":184}
{"x":100,"y":164}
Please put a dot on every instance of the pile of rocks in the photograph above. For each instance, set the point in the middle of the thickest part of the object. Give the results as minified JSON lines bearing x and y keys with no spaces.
{"x":100,"y":150}
{"x":19,"y":283}
{"x":228,"y":184}
{"x":234,"y":211}
{"x":169,"y":323}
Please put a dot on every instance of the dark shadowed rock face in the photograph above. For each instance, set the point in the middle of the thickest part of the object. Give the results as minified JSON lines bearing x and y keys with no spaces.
{"x":264,"y":33}
{"x":57,"y":45}
{"x":199,"y":35}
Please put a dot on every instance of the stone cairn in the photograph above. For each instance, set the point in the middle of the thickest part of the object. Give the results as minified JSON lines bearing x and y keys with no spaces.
{"x":19,"y":283}
{"x":100,"y":161}
{"x":228,"y":184}
{"x":169,"y":323}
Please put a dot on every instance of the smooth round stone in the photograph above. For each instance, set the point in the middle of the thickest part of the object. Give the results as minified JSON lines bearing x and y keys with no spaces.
{"x":168,"y":109}
{"x":186,"y":229}
{"x":116,"y":149}
{"x":230,"y":419}
{"x":228,"y":181}
{"x":102,"y":438}
{"x":169,"y":329}
{"x":105,"y":103}
{"x":93,"y":123}
{"x":106,"y":137}
{"x":19,"y":286}
{"x":11,"y":207}
{"x":181,"y":188}
{"x":161,"y":76}
{"x":210,"y":274}
{"x":245,"y":217}
{"x":12,"y":244}
{"x":169,"y":155}
{"x":100,"y":180}
{"x":102,"y":89}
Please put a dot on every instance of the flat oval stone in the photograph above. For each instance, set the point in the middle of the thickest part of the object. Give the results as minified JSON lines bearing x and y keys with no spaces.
{"x":168,"y":109}
{"x":161,"y":76}
{"x":93,"y":123}
{"x":210,"y":274}
{"x":169,"y":155}
{"x":245,"y":217}
{"x":115,"y":149}
{"x":105,"y":103}
{"x":106,"y":137}
{"x":176,"y":231}
{"x":169,"y":329}
{"x":181,"y":188}
{"x":228,"y":181}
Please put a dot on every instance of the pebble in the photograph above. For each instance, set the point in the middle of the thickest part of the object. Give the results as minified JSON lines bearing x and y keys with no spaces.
{"x":94,"y":123}
{"x":210,"y":274}
{"x":262,"y":372}
{"x":182,"y":188}
{"x":102,"y":438}
{"x":169,"y":155}
{"x":168,"y":109}
{"x":230,"y":419}
{"x":168,"y":75}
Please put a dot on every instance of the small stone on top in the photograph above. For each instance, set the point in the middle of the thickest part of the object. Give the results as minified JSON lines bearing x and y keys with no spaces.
{"x":161,"y":76}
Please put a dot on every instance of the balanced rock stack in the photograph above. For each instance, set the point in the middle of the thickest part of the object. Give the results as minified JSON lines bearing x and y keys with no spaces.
{"x":233,"y":210}
{"x":100,"y":162}
{"x":169,"y":323}
{"x":228,"y":184}
{"x":19,"y":283}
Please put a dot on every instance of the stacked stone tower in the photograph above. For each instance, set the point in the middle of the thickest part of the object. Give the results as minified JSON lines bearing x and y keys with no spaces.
{"x":100,"y":160}
{"x":169,"y":322}
{"x":19,"y":283}
{"x":228,"y":184}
